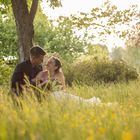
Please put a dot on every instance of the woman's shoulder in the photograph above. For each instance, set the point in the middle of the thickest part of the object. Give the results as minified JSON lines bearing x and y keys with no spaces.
{"x":59,"y":75}
{"x":41,"y":74}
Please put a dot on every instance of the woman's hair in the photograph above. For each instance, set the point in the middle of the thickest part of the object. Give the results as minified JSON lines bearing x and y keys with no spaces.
{"x":57,"y":63}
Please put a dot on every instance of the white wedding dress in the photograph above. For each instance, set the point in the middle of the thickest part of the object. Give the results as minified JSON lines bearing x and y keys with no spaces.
{"x":62,"y":96}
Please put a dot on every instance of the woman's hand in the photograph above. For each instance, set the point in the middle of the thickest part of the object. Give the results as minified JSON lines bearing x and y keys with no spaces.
{"x":43,"y":83}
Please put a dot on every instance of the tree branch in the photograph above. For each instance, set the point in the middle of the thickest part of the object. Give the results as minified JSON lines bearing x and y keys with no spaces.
{"x":20,"y":9}
{"x":33,"y":9}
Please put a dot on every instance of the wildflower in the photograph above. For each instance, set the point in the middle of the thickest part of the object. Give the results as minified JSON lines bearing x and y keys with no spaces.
{"x":91,"y":135}
{"x":127,"y":135}
{"x":101,"y":130}
{"x":113,"y":115}
{"x":66,"y":116}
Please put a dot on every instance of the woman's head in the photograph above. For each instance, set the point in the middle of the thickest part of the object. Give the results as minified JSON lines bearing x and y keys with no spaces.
{"x":54,"y":64}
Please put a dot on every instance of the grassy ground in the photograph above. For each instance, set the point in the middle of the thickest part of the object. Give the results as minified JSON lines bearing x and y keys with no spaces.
{"x":51,"y":120}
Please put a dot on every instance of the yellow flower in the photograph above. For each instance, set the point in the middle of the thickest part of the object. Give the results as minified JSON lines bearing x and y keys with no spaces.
{"x":113,"y":115}
{"x":101,"y":130}
{"x":127,"y":135}
{"x":137,"y":114}
{"x":90,"y":137}
{"x":66,"y":116}
{"x":73,"y":124}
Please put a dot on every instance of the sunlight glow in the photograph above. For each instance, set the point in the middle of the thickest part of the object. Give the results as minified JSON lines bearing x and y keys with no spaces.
{"x":75,"y":6}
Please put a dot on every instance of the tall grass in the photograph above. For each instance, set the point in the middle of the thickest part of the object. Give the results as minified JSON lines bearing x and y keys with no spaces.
{"x":53,"y":120}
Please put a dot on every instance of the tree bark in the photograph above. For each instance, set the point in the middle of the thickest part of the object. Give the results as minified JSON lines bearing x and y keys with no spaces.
{"x":24,"y":24}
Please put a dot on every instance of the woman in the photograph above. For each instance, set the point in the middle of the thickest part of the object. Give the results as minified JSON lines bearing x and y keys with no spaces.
{"x":53,"y":72}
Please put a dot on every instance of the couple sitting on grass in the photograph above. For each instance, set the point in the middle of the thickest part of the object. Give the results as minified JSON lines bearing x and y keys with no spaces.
{"x":39,"y":76}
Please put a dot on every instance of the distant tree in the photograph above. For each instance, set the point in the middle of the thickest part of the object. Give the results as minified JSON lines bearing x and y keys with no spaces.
{"x":134,"y":36}
{"x":43,"y":28}
{"x":117,"y":53}
{"x":106,"y":20}
{"x":98,"y":51}
{"x":60,"y":38}
{"x":132,"y":56}
{"x":66,"y":42}
{"x":132,"y":50}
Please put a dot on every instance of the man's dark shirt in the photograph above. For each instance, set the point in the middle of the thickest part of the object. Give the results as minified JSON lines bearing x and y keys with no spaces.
{"x":23,"y":69}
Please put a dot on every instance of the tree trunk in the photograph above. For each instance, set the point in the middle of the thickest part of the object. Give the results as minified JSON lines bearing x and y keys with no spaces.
{"x":24,"y":24}
{"x":25,"y":37}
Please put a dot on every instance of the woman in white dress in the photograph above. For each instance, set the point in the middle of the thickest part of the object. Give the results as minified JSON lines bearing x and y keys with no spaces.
{"x":53,"y":72}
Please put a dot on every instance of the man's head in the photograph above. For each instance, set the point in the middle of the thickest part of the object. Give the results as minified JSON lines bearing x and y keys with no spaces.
{"x":36,"y":55}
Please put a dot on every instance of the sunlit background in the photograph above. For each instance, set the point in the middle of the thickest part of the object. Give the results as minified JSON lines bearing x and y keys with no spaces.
{"x":76,"y":6}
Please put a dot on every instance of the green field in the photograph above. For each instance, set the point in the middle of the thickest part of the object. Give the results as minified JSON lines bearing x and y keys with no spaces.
{"x":52,"y":120}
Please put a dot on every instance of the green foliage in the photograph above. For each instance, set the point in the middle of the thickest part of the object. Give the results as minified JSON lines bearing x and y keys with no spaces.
{"x":89,"y":71}
{"x":60,"y":38}
{"x":54,"y":3}
{"x":132,"y":56}
{"x":98,"y":51}
{"x":43,"y":29}
{"x":68,"y":72}
{"x":8,"y":41}
{"x":5,"y":2}
{"x":5,"y":72}
{"x":65,"y":42}
{"x":5,"y":6}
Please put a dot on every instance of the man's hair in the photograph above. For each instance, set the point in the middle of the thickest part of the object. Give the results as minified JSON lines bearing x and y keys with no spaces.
{"x":36,"y":51}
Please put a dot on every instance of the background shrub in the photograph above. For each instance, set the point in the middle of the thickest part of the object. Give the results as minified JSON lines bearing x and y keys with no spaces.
{"x":5,"y":72}
{"x":68,"y":72}
{"x":89,"y":70}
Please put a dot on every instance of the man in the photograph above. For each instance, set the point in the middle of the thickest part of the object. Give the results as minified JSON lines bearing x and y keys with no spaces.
{"x":27,"y":70}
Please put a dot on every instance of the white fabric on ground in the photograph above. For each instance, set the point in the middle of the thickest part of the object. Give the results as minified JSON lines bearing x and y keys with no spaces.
{"x":60,"y":95}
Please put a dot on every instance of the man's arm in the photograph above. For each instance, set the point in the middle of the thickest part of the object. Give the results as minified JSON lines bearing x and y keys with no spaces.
{"x":17,"y":78}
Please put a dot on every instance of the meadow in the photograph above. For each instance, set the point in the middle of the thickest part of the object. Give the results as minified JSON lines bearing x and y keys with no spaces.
{"x":100,"y":45}
{"x":53,"y":120}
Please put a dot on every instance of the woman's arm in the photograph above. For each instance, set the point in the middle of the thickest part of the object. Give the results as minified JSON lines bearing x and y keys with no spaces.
{"x":42,"y":83}
{"x":41,"y":78}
